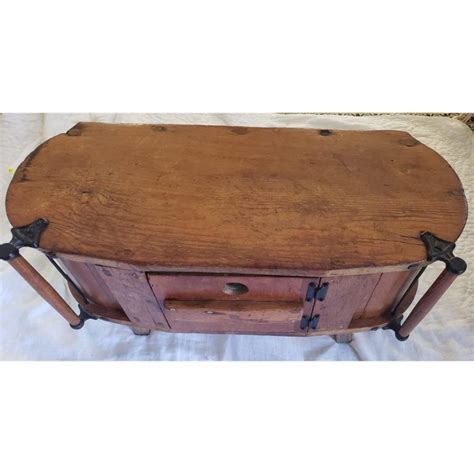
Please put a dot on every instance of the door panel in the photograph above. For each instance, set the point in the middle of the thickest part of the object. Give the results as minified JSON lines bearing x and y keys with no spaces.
{"x":231,"y":303}
{"x":346,"y":298}
{"x":272,"y":305}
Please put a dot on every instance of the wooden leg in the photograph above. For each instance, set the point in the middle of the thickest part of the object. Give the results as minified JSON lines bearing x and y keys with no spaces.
{"x":343,"y":338}
{"x":426,"y":303}
{"x":437,"y":249}
{"x":140,"y":331}
{"x":44,"y":289}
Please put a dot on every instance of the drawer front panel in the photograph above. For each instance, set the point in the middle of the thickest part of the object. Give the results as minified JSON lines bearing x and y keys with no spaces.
{"x":226,"y":287}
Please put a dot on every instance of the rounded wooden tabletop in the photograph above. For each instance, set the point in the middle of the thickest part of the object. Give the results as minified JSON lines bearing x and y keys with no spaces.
{"x":237,"y":199}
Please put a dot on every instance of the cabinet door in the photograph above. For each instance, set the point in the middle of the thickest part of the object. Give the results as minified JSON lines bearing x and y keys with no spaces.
{"x":360,"y":301}
{"x":346,"y":297}
{"x":239,"y":304}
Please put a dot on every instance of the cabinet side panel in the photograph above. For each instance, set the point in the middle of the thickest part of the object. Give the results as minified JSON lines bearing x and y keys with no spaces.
{"x":387,"y":292}
{"x":87,"y":277}
{"x":132,"y":290}
{"x":346,"y":298}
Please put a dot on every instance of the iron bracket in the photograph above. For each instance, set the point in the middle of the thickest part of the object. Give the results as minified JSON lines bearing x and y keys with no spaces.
{"x":29,"y":236}
{"x":83,"y":316}
{"x":25,"y":236}
{"x":436,"y":249}
{"x":8,"y":252}
{"x":439,"y":249}
{"x":395,"y":325}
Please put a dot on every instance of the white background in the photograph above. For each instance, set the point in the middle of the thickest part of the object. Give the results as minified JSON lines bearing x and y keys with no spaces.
{"x":236,"y":57}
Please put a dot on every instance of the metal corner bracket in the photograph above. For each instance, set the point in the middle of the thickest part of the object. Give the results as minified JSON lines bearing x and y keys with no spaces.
{"x":83,"y":316}
{"x":439,"y":249}
{"x":29,"y":236}
{"x":395,"y":325}
{"x":436,"y":249}
{"x":25,"y":236}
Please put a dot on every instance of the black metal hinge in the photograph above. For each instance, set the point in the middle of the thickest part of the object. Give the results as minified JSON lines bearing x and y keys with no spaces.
{"x":304,"y":323}
{"x":317,"y":292}
{"x":309,"y":321}
{"x":314,"y":293}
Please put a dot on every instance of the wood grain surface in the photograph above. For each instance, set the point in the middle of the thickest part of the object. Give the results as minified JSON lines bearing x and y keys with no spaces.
{"x":234,"y":316}
{"x":88,"y":278}
{"x":346,"y":298}
{"x":237,"y":199}
{"x":388,"y":290}
{"x":211,"y":287}
{"x":133,"y":292}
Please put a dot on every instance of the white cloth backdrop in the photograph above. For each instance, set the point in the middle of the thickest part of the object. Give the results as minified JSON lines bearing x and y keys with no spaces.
{"x":31,"y":330}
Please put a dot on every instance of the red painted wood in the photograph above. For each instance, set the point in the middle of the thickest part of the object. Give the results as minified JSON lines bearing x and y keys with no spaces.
{"x":429,"y":299}
{"x":132,"y":291}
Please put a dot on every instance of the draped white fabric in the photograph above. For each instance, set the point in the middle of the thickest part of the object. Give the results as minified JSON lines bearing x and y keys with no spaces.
{"x":31,"y":330}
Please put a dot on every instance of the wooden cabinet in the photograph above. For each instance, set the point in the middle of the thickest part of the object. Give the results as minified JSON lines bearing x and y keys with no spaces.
{"x":243,"y":304}
{"x":238,"y":230}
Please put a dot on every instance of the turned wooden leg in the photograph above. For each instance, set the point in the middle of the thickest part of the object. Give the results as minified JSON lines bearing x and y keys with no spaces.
{"x":437,"y":249}
{"x":426,"y":303}
{"x":140,"y":331}
{"x":343,"y":338}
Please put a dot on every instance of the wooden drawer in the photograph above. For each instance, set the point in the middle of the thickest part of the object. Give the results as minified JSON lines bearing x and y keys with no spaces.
{"x":226,"y":287}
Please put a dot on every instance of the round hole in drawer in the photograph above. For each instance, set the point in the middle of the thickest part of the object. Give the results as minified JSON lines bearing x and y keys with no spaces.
{"x":235,"y":288}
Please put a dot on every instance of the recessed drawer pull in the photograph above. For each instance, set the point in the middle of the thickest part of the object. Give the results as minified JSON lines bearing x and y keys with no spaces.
{"x":235,"y":289}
